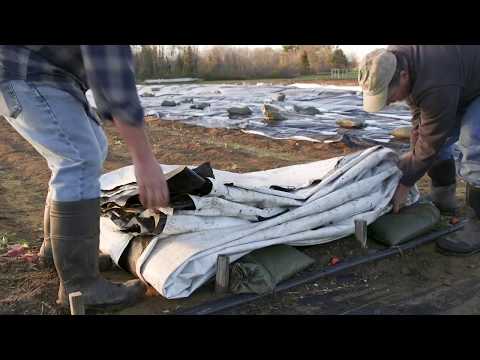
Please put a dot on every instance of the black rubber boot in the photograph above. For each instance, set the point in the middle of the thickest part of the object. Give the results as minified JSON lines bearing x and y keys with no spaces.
{"x":466,"y":241}
{"x":74,"y":233}
{"x":444,"y":198}
{"x":443,"y":186}
{"x":45,"y":254}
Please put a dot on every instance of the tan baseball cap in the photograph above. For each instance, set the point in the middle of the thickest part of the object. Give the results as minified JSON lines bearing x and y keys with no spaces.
{"x":375,"y":73}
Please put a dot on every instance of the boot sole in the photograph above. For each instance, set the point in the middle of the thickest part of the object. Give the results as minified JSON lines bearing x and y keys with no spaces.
{"x":92,"y":309}
{"x":95,"y":309}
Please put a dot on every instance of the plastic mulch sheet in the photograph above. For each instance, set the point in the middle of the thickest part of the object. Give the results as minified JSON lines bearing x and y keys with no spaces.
{"x":225,"y":213}
{"x":332,"y":103}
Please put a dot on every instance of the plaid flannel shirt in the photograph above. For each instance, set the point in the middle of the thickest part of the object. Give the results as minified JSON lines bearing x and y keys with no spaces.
{"x":105,"y":69}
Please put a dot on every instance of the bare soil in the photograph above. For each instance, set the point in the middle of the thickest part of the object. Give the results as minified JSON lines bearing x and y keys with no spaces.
{"x":420,"y":281}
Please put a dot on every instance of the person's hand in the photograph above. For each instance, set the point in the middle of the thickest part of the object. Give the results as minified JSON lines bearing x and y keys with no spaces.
{"x":400,"y":197}
{"x":151,"y":182}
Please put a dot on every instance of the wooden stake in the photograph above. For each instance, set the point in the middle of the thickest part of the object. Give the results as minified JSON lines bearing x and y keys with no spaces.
{"x":76,"y":303}
{"x":223,"y":274}
{"x":361,"y":232}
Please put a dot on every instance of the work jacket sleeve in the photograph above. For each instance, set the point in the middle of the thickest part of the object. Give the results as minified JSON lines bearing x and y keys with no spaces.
{"x":437,"y":118}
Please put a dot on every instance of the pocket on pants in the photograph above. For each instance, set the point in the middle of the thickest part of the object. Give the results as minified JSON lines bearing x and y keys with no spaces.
{"x":9,"y":104}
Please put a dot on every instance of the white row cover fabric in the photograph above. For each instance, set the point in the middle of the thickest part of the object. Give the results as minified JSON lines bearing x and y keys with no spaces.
{"x":313,"y":203}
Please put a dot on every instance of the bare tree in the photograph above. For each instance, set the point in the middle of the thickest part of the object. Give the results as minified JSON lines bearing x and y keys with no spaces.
{"x":223,"y":63}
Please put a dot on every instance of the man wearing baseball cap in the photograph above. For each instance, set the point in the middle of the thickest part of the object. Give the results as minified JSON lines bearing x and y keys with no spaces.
{"x":441,"y":84}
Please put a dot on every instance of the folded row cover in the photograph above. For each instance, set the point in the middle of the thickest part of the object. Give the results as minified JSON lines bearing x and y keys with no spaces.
{"x":216,"y":212}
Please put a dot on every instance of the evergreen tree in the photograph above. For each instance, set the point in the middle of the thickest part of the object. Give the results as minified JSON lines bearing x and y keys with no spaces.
{"x":292,"y":48}
{"x":304,"y":63}
{"x":339,"y":59}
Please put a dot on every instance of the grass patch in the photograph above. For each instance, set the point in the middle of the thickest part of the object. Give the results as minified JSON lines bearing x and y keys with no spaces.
{"x":8,"y":238}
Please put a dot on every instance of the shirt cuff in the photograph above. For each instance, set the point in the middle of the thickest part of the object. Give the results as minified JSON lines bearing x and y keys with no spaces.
{"x":132,"y":117}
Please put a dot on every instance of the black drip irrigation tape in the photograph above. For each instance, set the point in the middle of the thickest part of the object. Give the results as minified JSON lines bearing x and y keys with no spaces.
{"x":241,"y":299}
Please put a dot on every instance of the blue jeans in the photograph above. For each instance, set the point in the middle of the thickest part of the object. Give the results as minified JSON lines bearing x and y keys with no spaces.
{"x":59,"y":128}
{"x":466,"y":136}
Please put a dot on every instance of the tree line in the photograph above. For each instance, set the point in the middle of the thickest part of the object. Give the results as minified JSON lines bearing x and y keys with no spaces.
{"x":232,"y":63}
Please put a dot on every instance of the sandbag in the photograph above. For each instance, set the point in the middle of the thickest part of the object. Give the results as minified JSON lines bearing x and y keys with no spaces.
{"x":261,"y":270}
{"x":409,"y":223}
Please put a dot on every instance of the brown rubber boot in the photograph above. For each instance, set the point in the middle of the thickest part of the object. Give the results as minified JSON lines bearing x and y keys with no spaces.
{"x":45,"y":255}
{"x":74,"y":233}
{"x":466,"y":241}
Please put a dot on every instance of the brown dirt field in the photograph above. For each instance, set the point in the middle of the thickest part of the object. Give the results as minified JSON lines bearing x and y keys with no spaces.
{"x":25,"y":289}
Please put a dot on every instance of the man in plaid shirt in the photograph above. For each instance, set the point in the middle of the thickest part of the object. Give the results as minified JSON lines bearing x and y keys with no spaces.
{"x":42,"y":95}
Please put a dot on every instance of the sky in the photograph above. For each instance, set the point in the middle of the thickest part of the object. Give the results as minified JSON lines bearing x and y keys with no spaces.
{"x":359,"y":50}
